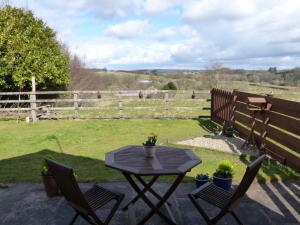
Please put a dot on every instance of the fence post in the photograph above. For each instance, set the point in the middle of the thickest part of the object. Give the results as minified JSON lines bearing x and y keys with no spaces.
{"x":212,"y":104}
{"x":167,"y":103}
{"x":76,"y":106}
{"x":33,"y":100}
{"x":120,"y":106}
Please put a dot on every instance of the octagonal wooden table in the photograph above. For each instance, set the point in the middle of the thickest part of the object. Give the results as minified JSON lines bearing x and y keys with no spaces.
{"x":133,"y":163}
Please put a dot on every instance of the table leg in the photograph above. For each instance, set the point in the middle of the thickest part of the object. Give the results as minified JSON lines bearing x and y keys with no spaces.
{"x":146,"y":188}
{"x":154,"y":193}
{"x":156,"y":208}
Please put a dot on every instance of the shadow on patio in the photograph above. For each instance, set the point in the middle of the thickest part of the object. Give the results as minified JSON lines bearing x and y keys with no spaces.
{"x":284,"y":195}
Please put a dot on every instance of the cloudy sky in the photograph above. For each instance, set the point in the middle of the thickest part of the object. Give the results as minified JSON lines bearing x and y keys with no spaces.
{"x":192,"y":34}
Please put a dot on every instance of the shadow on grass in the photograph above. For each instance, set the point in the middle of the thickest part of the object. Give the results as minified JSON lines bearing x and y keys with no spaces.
{"x":209,"y":126}
{"x":274,"y":170}
{"x":26,"y":168}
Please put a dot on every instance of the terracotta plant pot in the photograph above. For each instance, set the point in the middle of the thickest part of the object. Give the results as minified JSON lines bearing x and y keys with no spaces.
{"x":149,"y":151}
{"x":50,"y":186}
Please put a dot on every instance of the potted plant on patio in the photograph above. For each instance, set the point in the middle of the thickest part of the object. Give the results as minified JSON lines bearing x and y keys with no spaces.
{"x":48,"y":180}
{"x":149,"y":145}
{"x":228,"y":129}
{"x":223,"y":175}
{"x":201,"y":178}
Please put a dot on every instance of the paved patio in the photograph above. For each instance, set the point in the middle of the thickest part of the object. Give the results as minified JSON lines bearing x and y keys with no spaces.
{"x":275,"y":203}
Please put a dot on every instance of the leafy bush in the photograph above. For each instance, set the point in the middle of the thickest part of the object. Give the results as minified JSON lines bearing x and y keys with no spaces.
{"x":169,"y":86}
{"x":29,"y":48}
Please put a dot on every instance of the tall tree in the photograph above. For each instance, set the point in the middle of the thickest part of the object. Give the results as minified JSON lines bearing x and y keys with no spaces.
{"x":28,"y":47}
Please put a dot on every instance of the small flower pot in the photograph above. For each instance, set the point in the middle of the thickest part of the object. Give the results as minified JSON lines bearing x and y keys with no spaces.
{"x":199,"y":183}
{"x":221,"y":182}
{"x":50,"y":186}
{"x":229,"y":133}
{"x":149,"y":151}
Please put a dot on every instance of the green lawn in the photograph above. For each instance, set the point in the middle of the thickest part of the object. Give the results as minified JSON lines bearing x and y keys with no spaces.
{"x":83,"y":144}
{"x":128,"y":111}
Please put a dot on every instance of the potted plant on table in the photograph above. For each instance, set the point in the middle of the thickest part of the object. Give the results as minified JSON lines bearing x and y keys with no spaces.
{"x":201,"y":179}
{"x":223,"y":175}
{"x":149,"y":145}
{"x":50,"y":185}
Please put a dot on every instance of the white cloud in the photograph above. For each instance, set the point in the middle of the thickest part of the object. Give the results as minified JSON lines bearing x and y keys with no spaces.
{"x":217,"y":10}
{"x":246,"y":33}
{"x":184,"y":31}
{"x":263,"y":30}
{"x":165,"y":34}
{"x":109,"y":9}
{"x":188,"y":31}
{"x":113,"y":53}
{"x":129,"y":29}
{"x":194,"y":49}
{"x":155,"y":7}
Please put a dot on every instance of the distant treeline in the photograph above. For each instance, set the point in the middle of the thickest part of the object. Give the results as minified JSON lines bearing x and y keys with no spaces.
{"x":103,"y":79}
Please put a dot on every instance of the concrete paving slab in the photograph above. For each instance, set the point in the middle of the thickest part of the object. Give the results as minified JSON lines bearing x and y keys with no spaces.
{"x":264,"y":204}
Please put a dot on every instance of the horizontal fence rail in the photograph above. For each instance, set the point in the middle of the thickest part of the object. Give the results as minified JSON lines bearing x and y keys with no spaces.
{"x":277,"y":130}
{"x":134,"y":92}
{"x":105,"y":104}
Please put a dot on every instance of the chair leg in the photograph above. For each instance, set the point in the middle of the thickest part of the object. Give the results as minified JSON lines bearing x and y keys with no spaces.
{"x":236,"y":218}
{"x":219,"y":216}
{"x":74,"y":219}
{"x":200,"y":210}
{"x":114,"y":209}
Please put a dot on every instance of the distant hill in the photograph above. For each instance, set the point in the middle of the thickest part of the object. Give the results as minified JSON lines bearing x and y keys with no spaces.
{"x":103,"y":79}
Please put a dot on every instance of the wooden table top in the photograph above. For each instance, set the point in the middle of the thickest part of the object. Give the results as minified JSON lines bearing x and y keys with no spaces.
{"x":167,"y":160}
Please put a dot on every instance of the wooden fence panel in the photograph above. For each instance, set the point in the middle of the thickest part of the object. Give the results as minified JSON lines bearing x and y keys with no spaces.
{"x":220,"y":105}
{"x":285,"y":107}
{"x":280,"y":124}
{"x":282,"y":121}
{"x":282,"y":155}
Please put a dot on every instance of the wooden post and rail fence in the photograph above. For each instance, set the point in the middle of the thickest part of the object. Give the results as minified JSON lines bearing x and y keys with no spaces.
{"x":35,"y":105}
{"x":276,"y":129}
{"x":38,"y":105}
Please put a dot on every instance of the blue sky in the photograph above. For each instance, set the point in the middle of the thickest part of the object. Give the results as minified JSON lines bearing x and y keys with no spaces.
{"x":181,"y":34}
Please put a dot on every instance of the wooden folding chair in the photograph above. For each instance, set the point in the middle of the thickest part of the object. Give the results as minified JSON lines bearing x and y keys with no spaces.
{"x":223,"y":199}
{"x":85,"y":204}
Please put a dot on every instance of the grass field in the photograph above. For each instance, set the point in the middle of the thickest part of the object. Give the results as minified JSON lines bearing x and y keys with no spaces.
{"x":83,"y":144}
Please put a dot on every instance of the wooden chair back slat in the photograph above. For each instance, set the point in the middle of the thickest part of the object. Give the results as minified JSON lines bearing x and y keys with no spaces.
{"x":247,"y":180}
{"x":68,"y":186}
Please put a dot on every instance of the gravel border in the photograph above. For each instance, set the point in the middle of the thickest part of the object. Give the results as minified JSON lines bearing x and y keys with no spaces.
{"x":221,"y":143}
